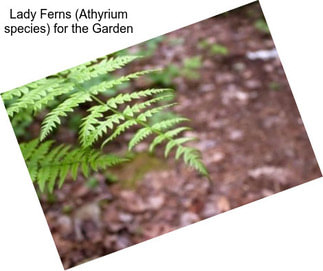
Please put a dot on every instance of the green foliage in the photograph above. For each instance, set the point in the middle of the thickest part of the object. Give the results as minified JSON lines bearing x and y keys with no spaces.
{"x":37,"y":95}
{"x":188,"y":69}
{"x":20,"y":124}
{"x":145,"y":49}
{"x":213,"y":48}
{"x":217,"y":49}
{"x":84,"y":95}
{"x":203,"y":44}
{"x":74,"y":122}
{"x":111,"y":178}
{"x":50,"y":165}
{"x":92,"y":183}
{"x":106,"y":120}
{"x":191,"y":67}
{"x":164,"y":115}
{"x":166,"y":76}
{"x":262,"y":26}
{"x":151,"y":46}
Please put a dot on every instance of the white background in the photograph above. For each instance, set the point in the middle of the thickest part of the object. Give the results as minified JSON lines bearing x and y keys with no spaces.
{"x":281,"y":232}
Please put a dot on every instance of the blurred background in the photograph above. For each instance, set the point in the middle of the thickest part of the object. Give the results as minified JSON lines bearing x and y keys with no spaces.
{"x":229,"y":81}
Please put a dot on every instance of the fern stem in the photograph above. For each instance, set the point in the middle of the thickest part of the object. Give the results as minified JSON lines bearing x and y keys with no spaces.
{"x":97,"y":100}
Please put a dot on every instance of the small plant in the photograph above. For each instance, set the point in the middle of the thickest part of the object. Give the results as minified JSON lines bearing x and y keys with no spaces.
{"x":217,"y":49}
{"x":262,"y":26}
{"x":166,"y":76}
{"x":146,"y":49}
{"x":109,"y":115}
{"x":92,"y":183}
{"x":213,"y":48}
{"x":189,"y":69}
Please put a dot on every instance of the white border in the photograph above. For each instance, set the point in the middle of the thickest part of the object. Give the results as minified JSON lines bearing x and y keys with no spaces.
{"x":282,"y":232}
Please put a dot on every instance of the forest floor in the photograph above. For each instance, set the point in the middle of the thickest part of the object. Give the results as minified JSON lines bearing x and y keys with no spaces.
{"x":250,"y":134}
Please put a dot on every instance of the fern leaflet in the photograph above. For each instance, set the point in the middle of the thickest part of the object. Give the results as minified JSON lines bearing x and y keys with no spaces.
{"x":49,"y":165}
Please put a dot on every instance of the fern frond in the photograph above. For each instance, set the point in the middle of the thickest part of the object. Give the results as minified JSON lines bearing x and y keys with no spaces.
{"x":92,"y":128}
{"x":120,"y":129}
{"x":157,"y":140}
{"x":99,"y":88}
{"x":20,"y":91}
{"x":101,"y":128}
{"x":128,"y":97}
{"x":53,"y":118}
{"x":149,"y":113}
{"x":28,"y":149}
{"x":129,"y":114}
{"x":165,"y":124}
{"x":52,"y":94}
{"x":173,"y":142}
{"x":49,"y":165}
{"x":88,"y":70}
{"x":162,"y":132}
{"x":176,"y":131}
{"x":38,"y":95}
{"x":17,"y":92}
{"x":192,"y":158}
{"x":89,"y":122}
{"x":139,"y":136}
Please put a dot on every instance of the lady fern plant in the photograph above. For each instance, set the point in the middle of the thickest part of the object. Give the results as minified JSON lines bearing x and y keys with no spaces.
{"x":106,"y":120}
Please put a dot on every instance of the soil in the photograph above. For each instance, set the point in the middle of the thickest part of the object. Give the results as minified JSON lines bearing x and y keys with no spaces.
{"x":250,"y":134}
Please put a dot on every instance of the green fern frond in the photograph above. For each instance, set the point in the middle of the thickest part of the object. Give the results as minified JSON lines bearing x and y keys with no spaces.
{"x":89,"y":122}
{"x":106,"y":121}
{"x":138,"y":115}
{"x":20,"y":91}
{"x":176,"y":142}
{"x":165,"y":124}
{"x":192,"y":158}
{"x":162,"y":132}
{"x":149,"y":113}
{"x":176,"y":131}
{"x":120,"y":129}
{"x":129,"y":115}
{"x":88,"y":71}
{"x":139,"y":136}
{"x":17,"y":92}
{"x":138,"y":107}
{"x":38,"y":95}
{"x":49,"y":165}
{"x":92,"y":128}
{"x":28,"y":149}
{"x":99,"y":88}
{"x":52,"y":94}
{"x":53,"y":118}
{"x":128,"y":97}
{"x":101,"y":129}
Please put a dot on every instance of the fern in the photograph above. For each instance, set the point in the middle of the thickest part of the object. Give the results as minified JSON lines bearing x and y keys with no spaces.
{"x":36,"y":95}
{"x":106,"y":120}
{"x":49,"y":165}
{"x":138,"y":115}
{"x":87,"y":71}
{"x":83,"y":95}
